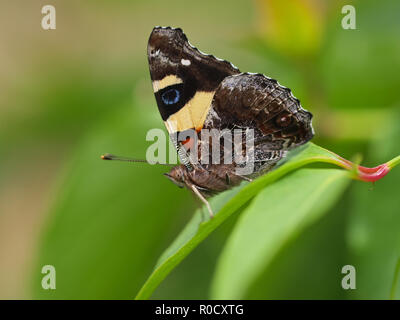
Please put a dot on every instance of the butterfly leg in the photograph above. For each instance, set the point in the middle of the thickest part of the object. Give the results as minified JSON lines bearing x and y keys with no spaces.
{"x":204,"y":200}
{"x":227,"y":179}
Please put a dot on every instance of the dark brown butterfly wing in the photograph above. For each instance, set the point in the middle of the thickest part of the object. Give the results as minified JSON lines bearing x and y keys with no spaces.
{"x":261,"y":103}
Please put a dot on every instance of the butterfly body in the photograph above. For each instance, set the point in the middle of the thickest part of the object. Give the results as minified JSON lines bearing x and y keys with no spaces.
{"x":210,"y":180}
{"x":199,"y":92}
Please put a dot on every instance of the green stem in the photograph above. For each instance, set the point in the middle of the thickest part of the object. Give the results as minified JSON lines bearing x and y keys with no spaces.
{"x":395,"y":281}
{"x":394,"y":162}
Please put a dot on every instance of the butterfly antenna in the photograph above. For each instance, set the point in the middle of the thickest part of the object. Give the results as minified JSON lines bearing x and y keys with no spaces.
{"x":109,"y":156}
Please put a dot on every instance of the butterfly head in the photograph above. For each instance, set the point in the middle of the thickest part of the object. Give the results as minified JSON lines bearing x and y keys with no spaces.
{"x":177,"y":175}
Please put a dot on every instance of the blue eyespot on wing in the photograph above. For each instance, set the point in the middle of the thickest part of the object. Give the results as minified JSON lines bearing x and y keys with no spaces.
{"x":170,"y":96}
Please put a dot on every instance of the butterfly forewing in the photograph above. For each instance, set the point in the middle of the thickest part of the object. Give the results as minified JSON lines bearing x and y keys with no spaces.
{"x":184,"y":79}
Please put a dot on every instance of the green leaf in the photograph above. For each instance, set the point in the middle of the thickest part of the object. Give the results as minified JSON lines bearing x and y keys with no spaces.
{"x":225,"y":205}
{"x":308,"y":266}
{"x":110,"y":219}
{"x":277,"y":214}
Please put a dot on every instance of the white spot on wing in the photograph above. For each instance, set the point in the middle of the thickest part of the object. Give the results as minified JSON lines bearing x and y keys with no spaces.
{"x":185,"y":62}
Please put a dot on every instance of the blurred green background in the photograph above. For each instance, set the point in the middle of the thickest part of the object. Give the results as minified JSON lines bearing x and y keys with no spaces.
{"x":71,"y":94}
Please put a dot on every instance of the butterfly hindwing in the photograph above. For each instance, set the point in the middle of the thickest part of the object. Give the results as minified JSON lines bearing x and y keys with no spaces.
{"x":255,"y":101}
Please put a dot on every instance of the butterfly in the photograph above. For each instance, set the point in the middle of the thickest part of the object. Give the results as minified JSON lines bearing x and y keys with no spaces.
{"x":197,"y":92}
